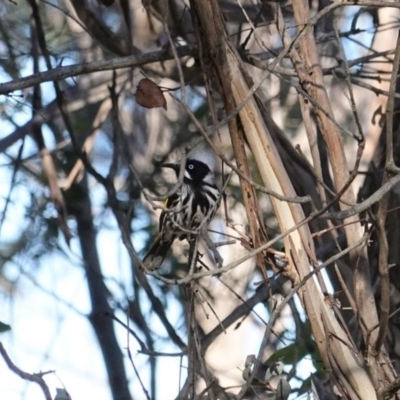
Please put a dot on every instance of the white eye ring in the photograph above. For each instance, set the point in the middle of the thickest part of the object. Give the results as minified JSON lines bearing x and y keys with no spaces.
{"x":190,"y":166}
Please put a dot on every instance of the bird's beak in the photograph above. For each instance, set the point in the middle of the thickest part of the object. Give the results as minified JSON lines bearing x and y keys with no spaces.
{"x":175,"y":167}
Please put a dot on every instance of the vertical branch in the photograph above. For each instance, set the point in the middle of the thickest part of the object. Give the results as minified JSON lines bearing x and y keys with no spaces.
{"x":192,"y":356}
{"x":390,"y":168}
{"x":313,"y":143}
{"x":48,"y":166}
{"x":212,"y":37}
{"x":390,"y":165}
{"x":384,"y":273}
{"x":309,"y":71}
{"x":81,"y":209}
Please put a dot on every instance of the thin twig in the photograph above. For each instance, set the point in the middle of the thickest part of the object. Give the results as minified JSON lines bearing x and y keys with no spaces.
{"x":37,"y":378}
{"x":360,"y":207}
{"x":146,"y":393}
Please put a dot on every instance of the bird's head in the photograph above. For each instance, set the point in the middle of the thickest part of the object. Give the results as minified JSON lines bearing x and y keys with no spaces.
{"x":195,"y":171}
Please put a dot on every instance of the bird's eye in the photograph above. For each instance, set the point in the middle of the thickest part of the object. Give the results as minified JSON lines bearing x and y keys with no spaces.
{"x":190,"y":166}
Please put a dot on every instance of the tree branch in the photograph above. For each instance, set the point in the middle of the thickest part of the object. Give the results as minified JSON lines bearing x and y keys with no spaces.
{"x":60,"y":73}
{"x":37,"y":378}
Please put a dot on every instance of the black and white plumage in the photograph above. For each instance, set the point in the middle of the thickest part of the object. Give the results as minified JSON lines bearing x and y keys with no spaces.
{"x":197,"y":199}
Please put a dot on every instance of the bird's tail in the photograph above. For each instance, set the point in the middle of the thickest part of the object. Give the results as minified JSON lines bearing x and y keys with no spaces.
{"x":157,"y":253}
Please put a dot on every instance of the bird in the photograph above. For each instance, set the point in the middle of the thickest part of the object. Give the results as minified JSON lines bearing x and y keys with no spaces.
{"x":198,"y":198}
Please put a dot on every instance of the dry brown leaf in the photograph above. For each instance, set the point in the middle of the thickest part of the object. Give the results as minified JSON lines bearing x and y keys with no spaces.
{"x":149,"y":95}
{"x":56,"y":195}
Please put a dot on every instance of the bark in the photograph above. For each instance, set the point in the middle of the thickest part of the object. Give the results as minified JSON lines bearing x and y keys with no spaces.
{"x":344,"y":365}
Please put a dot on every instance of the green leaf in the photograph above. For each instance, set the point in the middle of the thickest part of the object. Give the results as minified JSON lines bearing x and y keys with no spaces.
{"x":289,"y":354}
{"x":4,"y":327}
